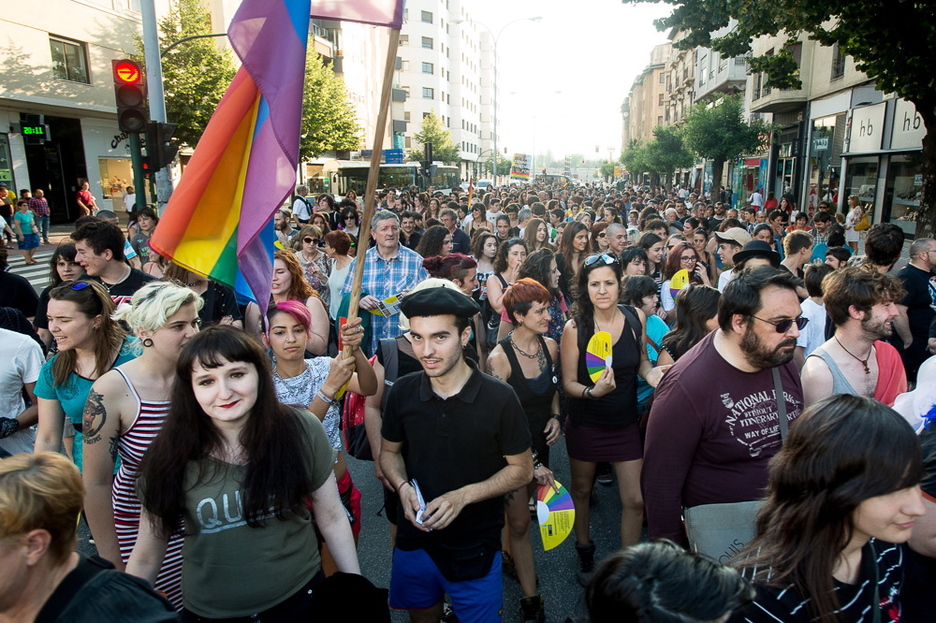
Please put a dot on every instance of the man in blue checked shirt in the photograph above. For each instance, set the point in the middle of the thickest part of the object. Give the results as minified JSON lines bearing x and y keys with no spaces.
{"x":389,"y":269}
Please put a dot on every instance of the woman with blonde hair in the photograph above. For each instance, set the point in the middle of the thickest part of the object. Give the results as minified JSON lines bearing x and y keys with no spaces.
{"x":536,"y":235}
{"x":125,"y":410}
{"x":43,"y":578}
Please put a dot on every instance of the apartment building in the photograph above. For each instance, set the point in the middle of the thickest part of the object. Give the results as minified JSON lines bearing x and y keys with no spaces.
{"x":840,"y":136}
{"x":647,"y":104}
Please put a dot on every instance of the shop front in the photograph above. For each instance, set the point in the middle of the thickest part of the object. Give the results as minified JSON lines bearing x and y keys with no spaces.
{"x":883,"y":162}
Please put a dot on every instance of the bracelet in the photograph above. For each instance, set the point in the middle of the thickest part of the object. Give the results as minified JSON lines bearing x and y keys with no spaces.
{"x":588,"y":393}
{"x":555,"y":416}
{"x":400,"y":486}
{"x":321,"y":396}
{"x":535,"y":457}
{"x":585,"y":393}
{"x":537,"y":465}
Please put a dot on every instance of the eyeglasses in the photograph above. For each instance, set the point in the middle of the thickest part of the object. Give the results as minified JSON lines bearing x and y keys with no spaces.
{"x":782,"y":326}
{"x":688,"y":258}
{"x":604,"y":258}
{"x":310,"y":240}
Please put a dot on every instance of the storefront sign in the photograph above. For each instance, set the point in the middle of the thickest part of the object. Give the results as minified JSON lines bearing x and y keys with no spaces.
{"x":908,"y":127}
{"x":821,"y":143}
{"x":867,"y":128}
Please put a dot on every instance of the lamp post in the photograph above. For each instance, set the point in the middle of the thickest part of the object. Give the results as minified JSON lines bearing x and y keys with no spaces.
{"x":494,"y":39}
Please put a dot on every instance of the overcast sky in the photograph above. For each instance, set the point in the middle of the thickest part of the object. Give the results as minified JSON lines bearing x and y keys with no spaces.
{"x":589,"y":50}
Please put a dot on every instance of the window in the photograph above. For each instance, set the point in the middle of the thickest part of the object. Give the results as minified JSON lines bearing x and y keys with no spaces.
{"x":660,"y":120}
{"x":69,"y":60}
{"x":838,"y":62}
{"x":404,"y":65}
{"x":428,"y":68}
{"x":660,"y":102}
{"x":662,"y":77}
{"x":406,"y":116}
{"x":428,"y":93}
{"x":427,"y":43}
{"x":426,"y":16}
{"x":404,"y":39}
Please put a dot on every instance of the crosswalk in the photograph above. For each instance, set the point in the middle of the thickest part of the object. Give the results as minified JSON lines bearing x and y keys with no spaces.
{"x":37,"y":274}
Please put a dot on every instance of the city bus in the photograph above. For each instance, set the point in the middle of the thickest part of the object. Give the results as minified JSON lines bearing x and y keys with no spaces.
{"x":353,"y":176}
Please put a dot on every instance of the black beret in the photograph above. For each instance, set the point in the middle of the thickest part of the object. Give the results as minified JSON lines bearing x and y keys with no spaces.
{"x":439,"y":302}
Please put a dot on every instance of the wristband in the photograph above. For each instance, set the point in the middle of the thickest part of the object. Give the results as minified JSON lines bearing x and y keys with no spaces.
{"x":588,"y":393}
{"x":556,"y":416}
{"x":321,"y":396}
{"x":400,"y":486}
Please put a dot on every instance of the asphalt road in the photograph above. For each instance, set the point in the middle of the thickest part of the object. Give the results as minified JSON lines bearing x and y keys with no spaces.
{"x":557,"y":568}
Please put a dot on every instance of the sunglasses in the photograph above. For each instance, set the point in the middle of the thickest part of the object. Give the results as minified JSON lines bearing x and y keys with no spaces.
{"x":604,"y":258}
{"x":782,"y":326}
{"x":81,"y":285}
{"x":310,"y":240}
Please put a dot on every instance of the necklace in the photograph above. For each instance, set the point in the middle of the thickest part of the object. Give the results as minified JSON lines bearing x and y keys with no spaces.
{"x":864,"y":361}
{"x":519,"y":350}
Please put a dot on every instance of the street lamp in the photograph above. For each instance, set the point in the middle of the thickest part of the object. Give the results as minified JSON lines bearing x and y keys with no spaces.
{"x":494,"y":39}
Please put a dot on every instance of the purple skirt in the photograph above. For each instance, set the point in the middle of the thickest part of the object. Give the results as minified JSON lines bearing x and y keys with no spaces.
{"x":594,"y":445}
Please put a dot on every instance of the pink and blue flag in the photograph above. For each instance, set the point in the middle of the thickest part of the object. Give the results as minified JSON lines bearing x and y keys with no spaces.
{"x":218,"y":222}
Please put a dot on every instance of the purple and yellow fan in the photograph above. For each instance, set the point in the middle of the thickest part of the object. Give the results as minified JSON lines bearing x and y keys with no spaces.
{"x":598,"y":355}
{"x":555,"y":513}
{"x":679,"y":281}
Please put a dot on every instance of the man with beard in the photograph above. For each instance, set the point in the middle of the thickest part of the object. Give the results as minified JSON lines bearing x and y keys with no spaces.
{"x":714,"y":424}
{"x":861,"y":305}
{"x":455,"y":441}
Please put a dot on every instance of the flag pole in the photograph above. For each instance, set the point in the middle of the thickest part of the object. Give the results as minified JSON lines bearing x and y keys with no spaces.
{"x":372,"y":177}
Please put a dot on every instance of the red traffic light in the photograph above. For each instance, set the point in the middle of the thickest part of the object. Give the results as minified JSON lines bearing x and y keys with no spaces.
{"x":127,"y":72}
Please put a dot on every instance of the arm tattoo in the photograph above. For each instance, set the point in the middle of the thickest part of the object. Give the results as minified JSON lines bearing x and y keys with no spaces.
{"x":95,"y":416}
{"x":490,"y":370}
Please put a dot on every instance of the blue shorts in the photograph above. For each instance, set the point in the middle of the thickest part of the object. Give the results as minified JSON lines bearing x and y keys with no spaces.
{"x":417,"y":584}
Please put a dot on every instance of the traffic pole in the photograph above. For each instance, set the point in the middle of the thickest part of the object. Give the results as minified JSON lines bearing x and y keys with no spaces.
{"x":154,"y":85}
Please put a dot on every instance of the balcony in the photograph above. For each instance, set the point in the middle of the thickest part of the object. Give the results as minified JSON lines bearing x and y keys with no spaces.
{"x":779,"y":100}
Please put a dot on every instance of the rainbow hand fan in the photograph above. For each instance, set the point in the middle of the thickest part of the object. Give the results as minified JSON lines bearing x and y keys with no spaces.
{"x":679,"y":281}
{"x":598,"y":355}
{"x":555,"y":514}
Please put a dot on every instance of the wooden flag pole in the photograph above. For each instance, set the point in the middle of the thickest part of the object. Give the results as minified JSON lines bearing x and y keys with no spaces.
{"x":372,"y":177}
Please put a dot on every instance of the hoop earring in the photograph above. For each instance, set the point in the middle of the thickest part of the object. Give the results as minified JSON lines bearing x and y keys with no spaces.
{"x":147,"y":343}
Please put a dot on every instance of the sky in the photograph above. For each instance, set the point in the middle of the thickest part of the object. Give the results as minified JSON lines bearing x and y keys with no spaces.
{"x":561,"y":80}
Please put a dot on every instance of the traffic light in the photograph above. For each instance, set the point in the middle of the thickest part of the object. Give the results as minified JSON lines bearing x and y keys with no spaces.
{"x":130,"y":92}
{"x":159,"y":151}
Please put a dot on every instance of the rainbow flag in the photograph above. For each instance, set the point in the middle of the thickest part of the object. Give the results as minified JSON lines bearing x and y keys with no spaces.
{"x":218,"y":222}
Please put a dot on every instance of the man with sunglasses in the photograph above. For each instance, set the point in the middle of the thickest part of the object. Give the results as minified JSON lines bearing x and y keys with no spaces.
{"x":857,"y":360}
{"x":714,"y":424}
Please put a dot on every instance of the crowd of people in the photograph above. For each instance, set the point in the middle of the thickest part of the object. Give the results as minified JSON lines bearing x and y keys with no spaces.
{"x":745,"y":414}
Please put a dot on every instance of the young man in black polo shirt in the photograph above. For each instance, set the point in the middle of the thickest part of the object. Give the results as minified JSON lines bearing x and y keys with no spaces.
{"x":462,"y":438}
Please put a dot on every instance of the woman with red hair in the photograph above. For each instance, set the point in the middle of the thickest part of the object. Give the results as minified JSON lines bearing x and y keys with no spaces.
{"x":533,"y":377}
{"x":681,"y":256}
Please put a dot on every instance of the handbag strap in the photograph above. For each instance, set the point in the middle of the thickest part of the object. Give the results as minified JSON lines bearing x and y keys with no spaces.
{"x":781,"y":404}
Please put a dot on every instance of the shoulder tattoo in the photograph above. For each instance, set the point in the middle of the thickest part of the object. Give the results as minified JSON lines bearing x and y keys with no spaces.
{"x":95,"y":416}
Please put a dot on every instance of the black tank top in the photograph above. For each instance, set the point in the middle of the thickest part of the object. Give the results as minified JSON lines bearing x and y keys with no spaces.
{"x":536,"y":405}
{"x":618,"y":408}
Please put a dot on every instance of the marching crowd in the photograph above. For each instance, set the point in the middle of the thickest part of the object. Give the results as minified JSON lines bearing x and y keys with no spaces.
{"x":763,"y":412}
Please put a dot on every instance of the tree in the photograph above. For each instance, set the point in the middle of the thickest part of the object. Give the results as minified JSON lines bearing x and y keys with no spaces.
{"x":434,"y":132}
{"x":606,"y":170}
{"x":329,"y":119}
{"x":195,"y":74}
{"x":719,"y":131}
{"x":892,"y":41}
{"x":660,"y":157}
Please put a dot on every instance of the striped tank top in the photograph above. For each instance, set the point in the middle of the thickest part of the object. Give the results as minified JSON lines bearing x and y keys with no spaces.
{"x":131,"y":446}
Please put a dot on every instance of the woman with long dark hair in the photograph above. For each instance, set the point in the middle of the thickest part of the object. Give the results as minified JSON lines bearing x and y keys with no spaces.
{"x":241,"y":471}
{"x":697,"y":316}
{"x":603,"y":414}
{"x":655,"y":248}
{"x":536,"y":235}
{"x":573,"y":247}
{"x":436,"y":240}
{"x":843,"y":490}
{"x":63,"y":267}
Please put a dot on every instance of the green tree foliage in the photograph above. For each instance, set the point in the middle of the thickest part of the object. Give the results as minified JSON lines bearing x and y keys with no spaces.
{"x":443,"y":150}
{"x":661,"y":157}
{"x":329,"y":120}
{"x":196,"y":73}
{"x":893,"y":41}
{"x":718,"y":131}
{"x":606,"y":170}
